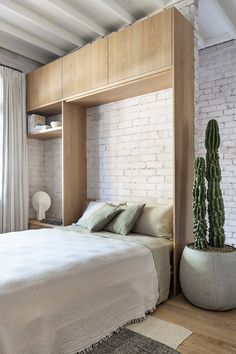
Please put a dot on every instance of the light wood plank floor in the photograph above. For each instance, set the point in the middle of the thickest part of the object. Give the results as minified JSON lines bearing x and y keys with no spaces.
{"x":213,"y":332}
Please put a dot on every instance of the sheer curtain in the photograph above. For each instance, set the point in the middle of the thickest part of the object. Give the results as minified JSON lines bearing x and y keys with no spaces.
{"x":13,"y":152}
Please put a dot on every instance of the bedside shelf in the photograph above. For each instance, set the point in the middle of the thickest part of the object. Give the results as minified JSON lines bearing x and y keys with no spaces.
{"x":47,"y":134}
{"x":36,"y":224}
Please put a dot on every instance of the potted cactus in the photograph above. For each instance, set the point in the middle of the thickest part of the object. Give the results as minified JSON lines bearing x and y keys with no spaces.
{"x":207,"y":268}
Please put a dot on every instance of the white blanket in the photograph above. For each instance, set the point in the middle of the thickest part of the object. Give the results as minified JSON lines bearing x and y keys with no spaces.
{"x":61,"y":291}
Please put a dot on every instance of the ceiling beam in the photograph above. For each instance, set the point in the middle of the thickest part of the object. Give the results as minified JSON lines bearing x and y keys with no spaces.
{"x":18,"y":48}
{"x":42,"y":22}
{"x":218,"y":39}
{"x":78,"y":17}
{"x":119,"y":11}
{"x":230,"y":26}
{"x":27,"y":37}
{"x":161,"y":4}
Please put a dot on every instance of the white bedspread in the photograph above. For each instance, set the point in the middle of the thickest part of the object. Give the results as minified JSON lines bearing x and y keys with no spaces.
{"x":61,"y":291}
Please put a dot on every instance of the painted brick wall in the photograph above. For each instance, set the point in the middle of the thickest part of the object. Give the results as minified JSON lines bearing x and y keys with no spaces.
{"x":129,"y":149}
{"x":45,"y":173}
{"x":217,"y":100}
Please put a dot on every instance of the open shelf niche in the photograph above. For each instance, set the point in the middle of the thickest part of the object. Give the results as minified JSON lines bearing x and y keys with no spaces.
{"x":53,"y":161}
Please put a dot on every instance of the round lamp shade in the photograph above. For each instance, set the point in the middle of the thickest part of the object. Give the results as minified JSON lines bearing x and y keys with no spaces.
{"x":41,"y":203}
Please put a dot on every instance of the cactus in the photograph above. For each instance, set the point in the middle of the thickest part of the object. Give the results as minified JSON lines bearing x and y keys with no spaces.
{"x":216,"y":214}
{"x":199,"y":204}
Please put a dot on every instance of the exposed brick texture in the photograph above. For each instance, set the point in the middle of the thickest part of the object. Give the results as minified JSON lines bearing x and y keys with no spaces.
{"x":217,"y":100}
{"x":129,"y":149}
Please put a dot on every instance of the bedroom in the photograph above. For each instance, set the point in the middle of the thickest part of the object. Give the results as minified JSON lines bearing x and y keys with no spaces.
{"x":130,"y":88}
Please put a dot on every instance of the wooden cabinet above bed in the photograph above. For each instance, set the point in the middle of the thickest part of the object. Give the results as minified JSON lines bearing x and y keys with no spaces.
{"x":140,"y":48}
{"x":86,"y":68}
{"x":44,"y":85}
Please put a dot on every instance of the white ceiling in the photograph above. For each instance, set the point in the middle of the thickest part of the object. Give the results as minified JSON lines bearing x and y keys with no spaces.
{"x":46,"y":29}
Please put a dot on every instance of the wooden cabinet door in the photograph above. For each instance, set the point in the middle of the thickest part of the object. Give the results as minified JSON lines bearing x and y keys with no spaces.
{"x":44,"y":85}
{"x":85,"y":69}
{"x":142,"y":47}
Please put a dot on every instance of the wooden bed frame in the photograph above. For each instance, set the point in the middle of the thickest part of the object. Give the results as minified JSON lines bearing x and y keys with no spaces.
{"x":67,"y":92}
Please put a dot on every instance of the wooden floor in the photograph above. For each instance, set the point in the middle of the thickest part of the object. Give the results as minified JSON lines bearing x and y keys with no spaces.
{"x":213,"y":332}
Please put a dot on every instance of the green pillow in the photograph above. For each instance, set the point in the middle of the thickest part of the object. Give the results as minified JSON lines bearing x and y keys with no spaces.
{"x":100,"y":218}
{"x":124,"y":222}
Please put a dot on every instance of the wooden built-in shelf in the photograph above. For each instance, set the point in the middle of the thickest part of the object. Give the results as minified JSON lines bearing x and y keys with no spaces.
{"x":158,"y":80}
{"x":36,"y":224}
{"x":51,"y":133}
{"x":128,"y":63}
{"x":47,"y":109}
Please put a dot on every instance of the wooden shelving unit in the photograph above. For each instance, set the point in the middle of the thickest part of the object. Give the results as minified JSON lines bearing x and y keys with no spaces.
{"x":47,"y":134}
{"x":135,"y":61}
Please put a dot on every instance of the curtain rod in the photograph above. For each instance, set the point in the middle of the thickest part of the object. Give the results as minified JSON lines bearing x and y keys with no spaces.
{"x":6,"y":66}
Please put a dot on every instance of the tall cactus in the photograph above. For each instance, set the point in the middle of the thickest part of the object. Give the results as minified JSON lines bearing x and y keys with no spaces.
{"x":199,"y":204}
{"x":216,"y":215}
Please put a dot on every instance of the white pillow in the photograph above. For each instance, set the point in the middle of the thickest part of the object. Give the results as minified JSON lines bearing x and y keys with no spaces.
{"x":155,"y":220}
{"x":91,"y":208}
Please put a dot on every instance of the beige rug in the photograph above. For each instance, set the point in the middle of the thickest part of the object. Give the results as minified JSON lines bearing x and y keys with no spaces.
{"x":161,"y":331}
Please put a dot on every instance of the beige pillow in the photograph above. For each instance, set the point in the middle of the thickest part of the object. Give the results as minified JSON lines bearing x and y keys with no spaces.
{"x":155,"y":220}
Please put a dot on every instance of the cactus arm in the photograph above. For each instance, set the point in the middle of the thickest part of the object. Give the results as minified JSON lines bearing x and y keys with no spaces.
{"x":216,"y":215}
{"x":199,"y":204}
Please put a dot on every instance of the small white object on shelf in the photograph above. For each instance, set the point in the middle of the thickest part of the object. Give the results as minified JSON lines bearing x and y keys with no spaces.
{"x":40,"y":128}
{"x":41,"y":203}
{"x":55,"y":124}
{"x":35,"y":120}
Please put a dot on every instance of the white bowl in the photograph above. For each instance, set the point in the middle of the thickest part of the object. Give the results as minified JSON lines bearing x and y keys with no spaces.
{"x":55,"y":124}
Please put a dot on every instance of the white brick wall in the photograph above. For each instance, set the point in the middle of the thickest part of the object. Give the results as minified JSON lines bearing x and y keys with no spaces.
{"x":45,"y":173}
{"x":36,"y":171}
{"x":129,"y":149}
{"x":217,"y":100}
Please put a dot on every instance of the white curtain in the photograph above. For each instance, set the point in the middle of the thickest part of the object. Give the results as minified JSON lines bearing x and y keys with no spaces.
{"x":13,"y":152}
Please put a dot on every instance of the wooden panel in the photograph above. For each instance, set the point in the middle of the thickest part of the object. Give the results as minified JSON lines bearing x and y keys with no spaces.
{"x":47,"y":110}
{"x":155,"y":82}
{"x":44,"y":85}
{"x":213,"y":331}
{"x":36,"y":224}
{"x":183,"y":136}
{"x":74,"y":162}
{"x":85,"y":69}
{"x":141,"y":47}
{"x":51,"y":133}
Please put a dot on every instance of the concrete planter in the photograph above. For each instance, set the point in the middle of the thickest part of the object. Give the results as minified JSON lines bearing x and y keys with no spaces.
{"x":208,"y":279}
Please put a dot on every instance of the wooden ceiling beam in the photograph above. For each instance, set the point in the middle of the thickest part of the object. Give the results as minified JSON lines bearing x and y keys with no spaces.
{"x":231,"y":29}
{"x":78,"y":17}
{"x":119,"y":11}
{"x":42,"y":22}
{"x":15,"y":47}
{"x":27,"y":37}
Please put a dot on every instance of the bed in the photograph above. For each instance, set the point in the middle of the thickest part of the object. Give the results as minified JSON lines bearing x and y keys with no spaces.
{"x":63,"y":290}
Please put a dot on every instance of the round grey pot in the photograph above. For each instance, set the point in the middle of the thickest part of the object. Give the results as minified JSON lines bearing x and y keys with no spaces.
{"x":208,"y":279}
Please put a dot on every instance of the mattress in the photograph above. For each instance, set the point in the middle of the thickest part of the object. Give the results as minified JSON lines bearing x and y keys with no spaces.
{"x":160,"y":247}
{"x":62,"y":291}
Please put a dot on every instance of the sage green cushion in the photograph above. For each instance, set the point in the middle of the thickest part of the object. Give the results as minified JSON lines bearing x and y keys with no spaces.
{"x":100,"y":218}
{"x":125,"y":220}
